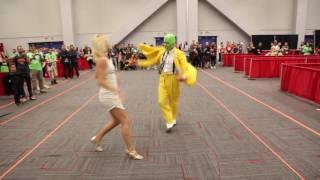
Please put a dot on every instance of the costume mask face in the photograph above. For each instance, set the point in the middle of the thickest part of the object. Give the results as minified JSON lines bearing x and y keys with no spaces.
{"x":169,"y":41}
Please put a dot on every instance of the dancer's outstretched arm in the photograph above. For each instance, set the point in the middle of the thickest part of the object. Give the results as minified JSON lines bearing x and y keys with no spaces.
{"x":152,"y":54}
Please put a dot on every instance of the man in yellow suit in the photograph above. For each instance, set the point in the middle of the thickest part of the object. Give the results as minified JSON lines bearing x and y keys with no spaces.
{"x":173,"y":69}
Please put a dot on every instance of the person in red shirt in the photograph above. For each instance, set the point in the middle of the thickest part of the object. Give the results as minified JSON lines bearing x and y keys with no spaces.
{"x":229,"y":48}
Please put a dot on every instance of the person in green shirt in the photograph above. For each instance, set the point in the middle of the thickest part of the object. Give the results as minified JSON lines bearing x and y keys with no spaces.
{"x":51,"y":59}
{"x":35,"y":67}
{"x":4,"y":68}
{"x":14,"y":53}
{"x":307,"y":49}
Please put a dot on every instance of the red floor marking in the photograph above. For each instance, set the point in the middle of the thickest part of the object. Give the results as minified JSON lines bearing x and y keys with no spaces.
{"x":43,"y":102}
{"x":6,"y":105}
{"x":268,"y":106}
{"x":67,"y":119}
{"x":250,"y":130}
{"x":256,"y":161}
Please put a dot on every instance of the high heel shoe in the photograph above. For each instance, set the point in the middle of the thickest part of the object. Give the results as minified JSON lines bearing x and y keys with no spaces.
{"x":94,"y":141}
{"x":134,"y":155}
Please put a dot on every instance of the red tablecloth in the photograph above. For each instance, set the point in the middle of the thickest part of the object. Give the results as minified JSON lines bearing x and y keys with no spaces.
{"x":82,"y":63}
{"x":228,"y":59}
{"x":2,"y":91}
{"x":313,"y":59}
{"x":269,"y":66}
{"x":239,"y":61}
{"x":302,"y":80}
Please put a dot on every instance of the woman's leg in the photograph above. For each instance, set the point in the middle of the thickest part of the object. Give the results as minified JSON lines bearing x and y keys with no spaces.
{"x":121,"y":117}
{"x":108,"y":127}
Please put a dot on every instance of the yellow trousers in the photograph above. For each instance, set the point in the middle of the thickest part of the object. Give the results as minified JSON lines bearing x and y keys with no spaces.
{"x":168,"y":96}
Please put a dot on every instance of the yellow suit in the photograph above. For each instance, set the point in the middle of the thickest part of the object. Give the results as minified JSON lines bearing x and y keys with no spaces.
{"x":169,"y":89}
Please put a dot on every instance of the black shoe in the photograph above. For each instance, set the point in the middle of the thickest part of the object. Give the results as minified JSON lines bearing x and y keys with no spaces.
{"x":168,"y":130}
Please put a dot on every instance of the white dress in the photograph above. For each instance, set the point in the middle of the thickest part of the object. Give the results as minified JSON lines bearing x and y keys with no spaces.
{"x":109,"y":99}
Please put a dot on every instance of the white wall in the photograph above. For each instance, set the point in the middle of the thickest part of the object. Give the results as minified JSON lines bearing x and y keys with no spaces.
{"x":24,"y":21}
{"x":313,"y":15}
{"x":108,"y":20}
{"x":213,"y":23}
{"x":267,"y":16}
{"x":102,"y":16}
{"x":164,"y":20}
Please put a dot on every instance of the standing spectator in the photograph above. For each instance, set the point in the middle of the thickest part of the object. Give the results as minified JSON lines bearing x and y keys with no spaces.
{"x":14,"y":53}
{"x":185,"y":49}
{"x":64,"y":56}
{"x":51,"y":59}
{"x":4,"y":68}
{"x":88,"y":55}
{"x":16,"y":84}
{"x":22,"y":67}
{"x":213,"y":55}
{"x":229,"y":48}
{"x":36,"y":70}
{"x":221,"y":50}
{"x":193,"y":54}
{"x":73,"y":61}
{"x":3,"y":64}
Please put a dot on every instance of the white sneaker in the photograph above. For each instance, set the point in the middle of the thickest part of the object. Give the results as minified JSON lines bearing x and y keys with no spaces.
{"x":169,"y":127}
{"x":174,"y":123}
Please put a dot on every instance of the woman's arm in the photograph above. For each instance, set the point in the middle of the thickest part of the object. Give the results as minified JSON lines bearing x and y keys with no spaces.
{"x":101,"y":66}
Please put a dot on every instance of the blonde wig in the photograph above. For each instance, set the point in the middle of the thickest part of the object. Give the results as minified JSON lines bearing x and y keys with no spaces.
{"x":100,"y":46}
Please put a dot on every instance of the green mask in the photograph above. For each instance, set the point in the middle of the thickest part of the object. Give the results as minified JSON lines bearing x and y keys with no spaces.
{"x":169,"y":41}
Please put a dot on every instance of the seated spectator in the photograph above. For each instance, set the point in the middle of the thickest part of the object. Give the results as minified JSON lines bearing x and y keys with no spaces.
{"x":259,"y":49}
{"x":285,"y":49}
{"x":251,"y":49}
{"x":132,"y":63}
{"x":274,"y":48}
{"x":307,"y":49}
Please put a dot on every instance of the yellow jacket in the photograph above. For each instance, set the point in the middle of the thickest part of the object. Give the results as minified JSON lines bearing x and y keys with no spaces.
{"x":153,"y":55}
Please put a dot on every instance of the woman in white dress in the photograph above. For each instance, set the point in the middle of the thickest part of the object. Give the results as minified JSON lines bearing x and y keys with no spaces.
{"x":109,"y":96}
